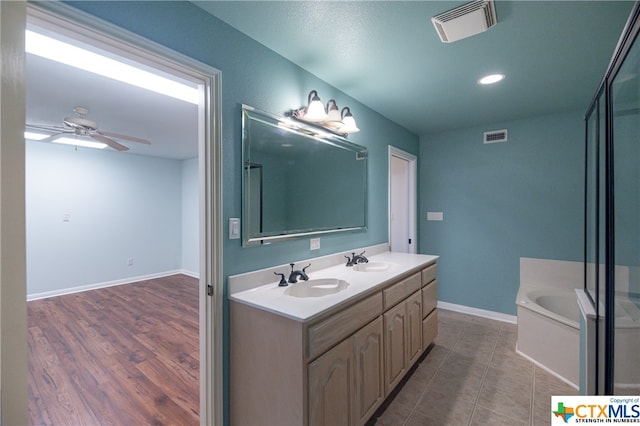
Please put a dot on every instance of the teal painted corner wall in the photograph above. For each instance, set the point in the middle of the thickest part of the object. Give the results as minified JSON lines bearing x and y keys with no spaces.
{"x":502,"y":201}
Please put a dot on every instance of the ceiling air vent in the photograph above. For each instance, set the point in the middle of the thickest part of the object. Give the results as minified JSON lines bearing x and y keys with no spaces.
{"x":495,"y":136}
{"x":465,"y":21}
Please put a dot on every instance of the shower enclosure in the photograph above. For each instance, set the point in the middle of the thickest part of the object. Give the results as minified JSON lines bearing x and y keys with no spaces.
{"x":610,"y":303}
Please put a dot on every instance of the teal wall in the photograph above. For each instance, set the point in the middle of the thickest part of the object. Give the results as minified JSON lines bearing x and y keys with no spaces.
{"x":502,"y":201}
{"x":255,"y":75}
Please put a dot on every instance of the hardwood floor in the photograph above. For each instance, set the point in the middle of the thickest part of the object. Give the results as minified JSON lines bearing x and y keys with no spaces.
{"x":123,"y":355}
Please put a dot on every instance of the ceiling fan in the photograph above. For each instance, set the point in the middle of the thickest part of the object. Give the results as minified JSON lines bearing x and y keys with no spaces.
{"x":80,"y":126}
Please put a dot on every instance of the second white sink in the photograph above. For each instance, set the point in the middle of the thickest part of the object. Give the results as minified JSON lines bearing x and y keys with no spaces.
{"x":316,"y":288}
{"x":371,"y":267}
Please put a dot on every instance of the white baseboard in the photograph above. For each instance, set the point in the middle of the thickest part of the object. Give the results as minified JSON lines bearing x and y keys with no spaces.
{"x":189,"y":273}
{"x":71,"y":290}
{"x":498,"y":316}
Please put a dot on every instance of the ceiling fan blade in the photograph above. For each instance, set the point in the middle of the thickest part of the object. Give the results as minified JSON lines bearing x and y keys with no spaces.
{"x":53,"y":137}
{"x":125,"y":137}
{"x":43,"y":127}
{"x":113,"y":144}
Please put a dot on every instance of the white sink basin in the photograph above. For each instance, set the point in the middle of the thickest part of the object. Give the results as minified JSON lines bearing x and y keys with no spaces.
{"x":316,"y":288}
{"x":371,"y":267}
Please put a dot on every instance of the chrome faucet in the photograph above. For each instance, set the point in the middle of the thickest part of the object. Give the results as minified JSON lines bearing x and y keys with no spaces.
{"x":294,"y":275}
{"x":359,"y":258}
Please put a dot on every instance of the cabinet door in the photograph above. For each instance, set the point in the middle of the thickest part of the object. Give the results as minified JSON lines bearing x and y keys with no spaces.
{"x":369,"y":370}
{"x":414,"y":327}
{"x":395,"y":346}
{"x":331,"y":387}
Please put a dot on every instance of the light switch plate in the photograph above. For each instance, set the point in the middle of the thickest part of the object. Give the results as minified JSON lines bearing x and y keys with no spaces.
{"x":435,"y":216}
{"x":234,"y":228}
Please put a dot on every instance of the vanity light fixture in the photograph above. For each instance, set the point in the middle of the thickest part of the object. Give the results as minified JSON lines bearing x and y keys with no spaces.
{"x":331,"y":119}
{"x":348,"y":122}
{"x":491,"y":79}
{"x":334,"y":118}
{"x":314,"y":112}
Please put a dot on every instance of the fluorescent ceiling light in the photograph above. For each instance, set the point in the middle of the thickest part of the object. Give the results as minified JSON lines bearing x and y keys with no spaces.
{"x":65,"y":140}
{"x":80,"y":142}
{"x":491,"y":79}
{"x":35,"y":136}
{"x":56,"y":50}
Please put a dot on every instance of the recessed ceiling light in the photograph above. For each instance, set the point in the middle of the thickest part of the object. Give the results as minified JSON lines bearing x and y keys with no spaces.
{"x":490,"y":79}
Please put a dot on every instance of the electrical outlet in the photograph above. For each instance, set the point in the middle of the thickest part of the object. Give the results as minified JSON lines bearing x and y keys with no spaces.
{"x":130,"y":261}
{"x":314,"y":244}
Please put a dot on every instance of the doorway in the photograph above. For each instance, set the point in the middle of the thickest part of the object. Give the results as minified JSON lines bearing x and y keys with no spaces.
{"x":65,"y":21}
{"x":402,"y":201}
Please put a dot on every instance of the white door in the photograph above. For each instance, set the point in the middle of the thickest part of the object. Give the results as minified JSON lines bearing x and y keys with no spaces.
{"x":402,"y":186}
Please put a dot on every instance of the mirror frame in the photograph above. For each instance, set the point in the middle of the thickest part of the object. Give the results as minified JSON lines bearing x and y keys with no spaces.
{"x":307,"y":130}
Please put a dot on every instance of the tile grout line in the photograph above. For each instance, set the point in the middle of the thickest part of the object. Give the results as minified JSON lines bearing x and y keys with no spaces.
{"x":415,"y":406}
{"x":484,"y":375}
{"x":533,"y":394}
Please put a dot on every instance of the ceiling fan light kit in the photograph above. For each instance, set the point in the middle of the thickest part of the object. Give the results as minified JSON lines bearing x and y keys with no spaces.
{"x":79,"y":126}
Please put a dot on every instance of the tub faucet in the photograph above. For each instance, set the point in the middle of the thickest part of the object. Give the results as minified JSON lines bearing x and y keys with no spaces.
{"x":294,"y":275}
{"x":359,"y":258}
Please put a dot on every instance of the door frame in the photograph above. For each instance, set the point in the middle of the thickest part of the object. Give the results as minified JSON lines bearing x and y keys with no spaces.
{"x":413,"y":191}
{"x":89,"y":28}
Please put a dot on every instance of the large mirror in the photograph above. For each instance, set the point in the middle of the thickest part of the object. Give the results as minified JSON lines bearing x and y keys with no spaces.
{"x":299,"y":180}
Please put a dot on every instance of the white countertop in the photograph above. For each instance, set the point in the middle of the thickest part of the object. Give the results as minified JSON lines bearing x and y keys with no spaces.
{"x":272,"y":298}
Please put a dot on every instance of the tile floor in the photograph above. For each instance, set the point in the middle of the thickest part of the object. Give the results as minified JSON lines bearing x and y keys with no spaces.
{"x":472,"y":376}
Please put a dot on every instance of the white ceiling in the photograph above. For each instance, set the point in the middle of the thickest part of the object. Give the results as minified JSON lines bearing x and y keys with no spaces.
{"x":54,"y":89}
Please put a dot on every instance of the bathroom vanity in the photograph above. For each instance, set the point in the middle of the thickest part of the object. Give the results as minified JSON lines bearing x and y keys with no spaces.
{"x":332,"y":359}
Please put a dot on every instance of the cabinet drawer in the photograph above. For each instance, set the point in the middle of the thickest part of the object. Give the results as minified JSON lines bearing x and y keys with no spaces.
{"x":429,"y":274}
{"x":429,"y":297}
{"x":429,"y":329}
{"x":340,"y":325}
{"x":401,"y":290}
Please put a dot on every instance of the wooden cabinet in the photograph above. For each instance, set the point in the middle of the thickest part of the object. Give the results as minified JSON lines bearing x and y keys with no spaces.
{"x":429,"y":304}
{"x":395,"y":346}
{"x":403,"y":339}
{"x":414,"y":328}
{"x":346,"y":383}
{"x":368,"y":357}
{"x":335,"y":369}
{"x":331,"y":387}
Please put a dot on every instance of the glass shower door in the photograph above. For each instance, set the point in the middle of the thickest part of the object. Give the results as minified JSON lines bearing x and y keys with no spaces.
{"x":623,"y":298}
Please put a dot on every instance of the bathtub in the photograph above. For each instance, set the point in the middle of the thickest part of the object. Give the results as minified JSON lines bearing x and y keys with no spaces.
{"x":549,"y":330}
{"x":549,"y":335}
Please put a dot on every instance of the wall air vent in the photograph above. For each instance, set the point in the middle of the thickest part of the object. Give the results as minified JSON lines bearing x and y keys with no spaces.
{"x":495,"y":136}
{"x":465,"y":21}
